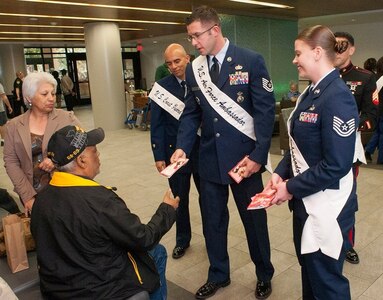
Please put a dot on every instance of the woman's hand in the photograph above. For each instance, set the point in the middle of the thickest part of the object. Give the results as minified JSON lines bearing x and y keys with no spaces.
{"x":47,"y":165}
{"x":272,"y":183}
{"x":28,"y":206}
{"x":282,"y":193}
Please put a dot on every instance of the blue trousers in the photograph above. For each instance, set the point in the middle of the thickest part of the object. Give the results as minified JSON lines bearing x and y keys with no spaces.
{"x":180,"y":185}
{"x":160,"y":257}
{"x":376,"y":141}
{"x":215,"y":220}
{"x":321,"y":275}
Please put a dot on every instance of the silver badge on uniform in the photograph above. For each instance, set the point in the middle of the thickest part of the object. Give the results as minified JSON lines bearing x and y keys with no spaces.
{"x":238,"y":67}
{"x":317,"y":91}
{"x":229,"y":59}
{"x":312,"y":107}
{"x":197,"y":100}
{"x":240,"y":97}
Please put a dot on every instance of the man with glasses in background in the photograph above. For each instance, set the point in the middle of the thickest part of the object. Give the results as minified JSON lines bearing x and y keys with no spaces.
{"x":231,"y":95}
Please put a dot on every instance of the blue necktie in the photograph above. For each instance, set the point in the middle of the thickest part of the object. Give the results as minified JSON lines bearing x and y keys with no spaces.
{"x":183,"y":84}
{"x":214,"y":70}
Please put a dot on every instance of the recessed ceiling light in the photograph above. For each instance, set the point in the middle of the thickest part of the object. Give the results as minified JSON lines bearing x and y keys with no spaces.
{"x":33,"y":19}
{"x":111,"y":6}
{"x":91,"y":19}
{"x":264,"y":4}
{"x":53,"y":23}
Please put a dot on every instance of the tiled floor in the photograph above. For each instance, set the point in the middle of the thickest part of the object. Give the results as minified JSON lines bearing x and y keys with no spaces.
{"x":127,"y":163}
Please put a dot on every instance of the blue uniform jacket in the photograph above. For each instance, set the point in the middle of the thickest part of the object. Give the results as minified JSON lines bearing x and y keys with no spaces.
{"x":164,"y":127}
{"x":328,"y":154}
{"x":222,"y":146}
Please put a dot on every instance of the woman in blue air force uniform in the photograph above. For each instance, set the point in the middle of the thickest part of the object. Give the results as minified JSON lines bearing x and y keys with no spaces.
{"x":316,"y":174}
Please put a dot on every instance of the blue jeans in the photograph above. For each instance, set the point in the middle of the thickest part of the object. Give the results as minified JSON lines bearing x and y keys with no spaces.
{"x":160,"y":256}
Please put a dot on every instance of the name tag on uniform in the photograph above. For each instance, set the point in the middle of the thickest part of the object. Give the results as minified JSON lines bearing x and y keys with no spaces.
{"x":308,"y":117}
{"x":239,"y":78}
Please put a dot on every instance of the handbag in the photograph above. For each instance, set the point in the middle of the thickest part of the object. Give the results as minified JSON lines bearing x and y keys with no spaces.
{"x":14,"y":243}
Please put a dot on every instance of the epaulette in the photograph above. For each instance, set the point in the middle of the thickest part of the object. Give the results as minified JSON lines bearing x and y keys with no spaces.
{"x":361,"y":70}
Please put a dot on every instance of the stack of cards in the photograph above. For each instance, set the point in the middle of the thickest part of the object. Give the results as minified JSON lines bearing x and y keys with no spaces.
{"x":235,"y":172}
{"x":261,"y":200}
{"x":174,"y":167}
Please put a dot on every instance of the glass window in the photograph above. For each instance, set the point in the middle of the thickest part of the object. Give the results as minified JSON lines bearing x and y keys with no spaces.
{"x":32,"y":50}
{"x":79,"y":50}
{"x":58,"y":50}
{"x":47,"y":50}
{"x":33,"y":56}
{"x":60,"y":63}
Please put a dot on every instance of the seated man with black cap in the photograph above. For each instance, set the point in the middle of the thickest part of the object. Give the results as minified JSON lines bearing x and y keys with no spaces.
{"x":89,"y":245}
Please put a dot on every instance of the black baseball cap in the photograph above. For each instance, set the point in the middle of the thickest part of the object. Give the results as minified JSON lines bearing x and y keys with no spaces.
{"x":70,"y":141}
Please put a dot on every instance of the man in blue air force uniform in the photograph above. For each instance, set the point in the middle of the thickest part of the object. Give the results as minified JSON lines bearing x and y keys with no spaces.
{"x":232,"y":99}
{"x":167,"y":100}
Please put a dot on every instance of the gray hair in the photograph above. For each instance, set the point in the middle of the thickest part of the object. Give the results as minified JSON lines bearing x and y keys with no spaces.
{"x":32,"y":82}
{"x":68,"y":168}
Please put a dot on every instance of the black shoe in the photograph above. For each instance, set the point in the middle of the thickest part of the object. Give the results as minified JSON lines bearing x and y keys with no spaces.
{"x":368,"y":156}
{"x":263,"y":289}
{"x":352,"y":257}
{"x":179,"y":251}
{"x":210,"y":288}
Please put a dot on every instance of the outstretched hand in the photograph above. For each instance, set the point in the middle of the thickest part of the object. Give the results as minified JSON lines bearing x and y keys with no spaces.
{"x":168,"y":199}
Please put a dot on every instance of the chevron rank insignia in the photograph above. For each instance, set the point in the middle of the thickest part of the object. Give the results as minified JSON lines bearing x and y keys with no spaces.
{"x":342,"y":128}
{"x":267,"y":85}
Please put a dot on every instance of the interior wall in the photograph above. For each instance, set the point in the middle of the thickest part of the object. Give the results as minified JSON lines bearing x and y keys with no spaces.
{"x":270,"y":37}
{"x":368,"y":40}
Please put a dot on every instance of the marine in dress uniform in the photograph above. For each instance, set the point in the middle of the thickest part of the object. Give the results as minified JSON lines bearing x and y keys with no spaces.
{"x":163,"y":129}
{"x":244,"y":78}
{"x":362,"y":84}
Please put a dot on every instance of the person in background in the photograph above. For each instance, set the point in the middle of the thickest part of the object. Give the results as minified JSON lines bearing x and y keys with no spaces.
{"x":26,"y":137}
{"x":18,"y":94}
{"x":237,"y":128}
{"x":314,"y":175}
{"x":7,"y":202}
{"x":98,"y":249}
{"x":3,"y":113}
{"x":163,"y":132}
{"x":67,"y":90}
{"x":362,"y":84}
{"x":293,"y":93}
{"x":376,"y":140}
{"x":370,"y":65}
{"x":58,"y":90}
{"x":162,"y":71}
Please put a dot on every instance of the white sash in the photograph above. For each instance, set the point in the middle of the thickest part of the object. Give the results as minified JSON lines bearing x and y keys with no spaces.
{"x":359,"y":150}
{"x":167,"y":101}
{"x":321,"y":230}
{"x":226,"y":107}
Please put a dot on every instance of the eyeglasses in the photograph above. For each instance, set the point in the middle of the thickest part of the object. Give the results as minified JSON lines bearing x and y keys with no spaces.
{"x":197,"y":35}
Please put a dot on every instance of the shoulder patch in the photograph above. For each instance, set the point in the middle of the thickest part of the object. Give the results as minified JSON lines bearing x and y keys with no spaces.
{"x":342,"y":128}
{"x":267,"y":85}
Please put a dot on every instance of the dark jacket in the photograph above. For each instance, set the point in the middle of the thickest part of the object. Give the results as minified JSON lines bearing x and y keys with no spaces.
{"x":222,"y":146}
{"x":88,"y":241}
